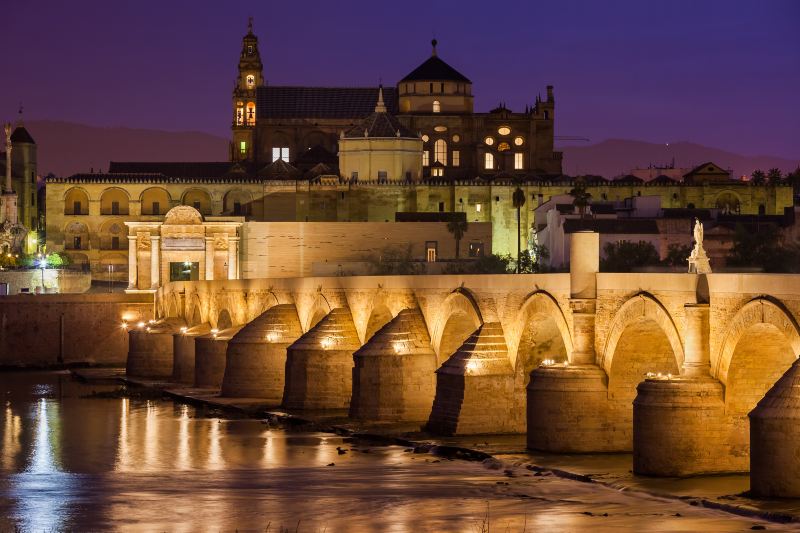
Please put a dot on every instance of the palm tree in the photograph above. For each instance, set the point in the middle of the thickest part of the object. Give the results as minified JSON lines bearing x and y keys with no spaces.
{"x":458,"y":228}
{"x":774,"y":176}
{"x":580,"y":197}
{"x":518,"y":199}
{"x":758,"y":177}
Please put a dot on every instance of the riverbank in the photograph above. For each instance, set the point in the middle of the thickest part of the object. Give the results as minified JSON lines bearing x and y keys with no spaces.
{"x":502,"y":452}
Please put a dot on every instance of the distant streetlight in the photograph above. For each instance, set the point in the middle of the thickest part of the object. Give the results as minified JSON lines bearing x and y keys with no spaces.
{"x":42,"y":265}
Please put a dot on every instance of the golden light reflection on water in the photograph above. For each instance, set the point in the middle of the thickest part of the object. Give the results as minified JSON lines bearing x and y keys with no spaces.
{"x":12,"y":428}
{"x":79,"y":464}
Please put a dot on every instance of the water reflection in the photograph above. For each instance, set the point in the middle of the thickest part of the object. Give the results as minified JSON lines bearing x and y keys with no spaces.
{"x":76,"y":463}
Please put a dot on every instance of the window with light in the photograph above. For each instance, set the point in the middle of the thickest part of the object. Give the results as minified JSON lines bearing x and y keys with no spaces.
{"x":280,"y":152}
{"x":489,"y":141}
{"x":250,"y":116}
{"x":440,"y":151}
{"x":517,"y":161}
{"x":239,"y":114}
{"x":251,"y":81}
{"x":437,"y":107}
{"x":437,"y":172}
{"x":519,"y":141}
{"x":488,"y":161}
{"x":243,"y":147}
{"x":456,"y":158}
{"x":504,"y":130}
{"x":426,"y":158}
{"x":502,"y":147}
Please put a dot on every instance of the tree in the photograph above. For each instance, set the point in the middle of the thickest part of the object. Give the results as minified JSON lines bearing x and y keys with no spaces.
{"x":758,"y":177}
{"x":761,"y":247}
{"x":625,"y":256}
{"x":531,"y":260}
{"x":457,"y":228}
{"x":678,"y":254}
{"x":395,"y":260}
{"x":794,"y":180}
{"x":518,"y":200}
{"x":774,"y":176}
{"x":580,"y":197}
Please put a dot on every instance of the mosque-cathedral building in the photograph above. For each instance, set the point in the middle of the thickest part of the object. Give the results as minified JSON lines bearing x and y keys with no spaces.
{"x":369,"y":155}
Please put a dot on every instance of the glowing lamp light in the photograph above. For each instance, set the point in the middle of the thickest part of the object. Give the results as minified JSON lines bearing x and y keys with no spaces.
{"x":548,"y":362}
{"x":124,"y":325}
{"x":215,"y":331}
{"x":398,"y":347}
{"x":472,"y":365}
{"x":326,"y":343}
{"x":272,"y":336}
{"x":147,"y":329}
{"x":184,"y":329}
{"x":140,"y":325}
{"x":151,"y":321}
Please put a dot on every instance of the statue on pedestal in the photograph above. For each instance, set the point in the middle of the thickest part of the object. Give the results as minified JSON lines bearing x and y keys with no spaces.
{"x":698,"y":260}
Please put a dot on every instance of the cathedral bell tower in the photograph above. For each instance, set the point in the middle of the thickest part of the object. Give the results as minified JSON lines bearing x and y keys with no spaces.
{"x":250,"y":78}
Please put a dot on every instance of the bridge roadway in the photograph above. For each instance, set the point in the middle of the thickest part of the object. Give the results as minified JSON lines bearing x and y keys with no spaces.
{"x":665,"y":365}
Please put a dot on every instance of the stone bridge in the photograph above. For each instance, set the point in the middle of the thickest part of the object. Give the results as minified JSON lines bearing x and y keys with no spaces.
{"x":665,"y":365}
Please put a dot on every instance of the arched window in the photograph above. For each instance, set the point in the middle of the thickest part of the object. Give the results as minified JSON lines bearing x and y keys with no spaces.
{"x":251,"y":81}
{"x":114,"y":202}
{"x":488,"y":161}
{"x":251,"y":114}
{"x":440,"y":151}
{"x":155,"y":201}
{"x":437,"y":107}
{"x":76,"y":202}
{"x":239,"y":113}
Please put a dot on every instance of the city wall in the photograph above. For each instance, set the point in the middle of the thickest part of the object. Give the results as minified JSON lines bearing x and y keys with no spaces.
{"x":49,"y":329}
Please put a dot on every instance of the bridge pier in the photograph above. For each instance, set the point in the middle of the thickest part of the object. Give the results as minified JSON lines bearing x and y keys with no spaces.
{"x":150,"y":349}
{"x":774,"y":438}
{"x":568,"y":407}
{"x":183,"y":353}
{"x":394,"y":375}
{"x":319,"y":365}
{"x":475,"y":387}
{"x":210,"y":357}
{"x":679,"y":423}
{"x":256,"y":362}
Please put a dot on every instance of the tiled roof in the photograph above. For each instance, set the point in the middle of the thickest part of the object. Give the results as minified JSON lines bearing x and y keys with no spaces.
{"x":322,"y":102}
{"x":621,"y":226}
{"x":279,"y":170}
{"x":662,"y":180}
{"x":175,"y":170}
{"x":630,"y":178}
{"x":21,"y":135}
{"x":434,"y":69}
{"x":379,"y":125}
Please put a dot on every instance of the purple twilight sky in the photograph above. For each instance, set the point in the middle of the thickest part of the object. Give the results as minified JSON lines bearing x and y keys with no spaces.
{"x":720,"y":73}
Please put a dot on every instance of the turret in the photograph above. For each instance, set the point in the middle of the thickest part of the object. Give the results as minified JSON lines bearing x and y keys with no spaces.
{"x":250,"y":78}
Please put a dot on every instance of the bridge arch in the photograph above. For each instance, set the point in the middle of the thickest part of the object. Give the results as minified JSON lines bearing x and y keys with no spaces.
{"x":641,"y":314}
{"x":224,"y":320}
{"x":642,"y":338}
{"x":760,"y":343}
{"x":543,"y":333}
{"x":458,"y":318}
{"x":379,"y":316}
{"x":316,"y":312}
{"x":194,"y":311}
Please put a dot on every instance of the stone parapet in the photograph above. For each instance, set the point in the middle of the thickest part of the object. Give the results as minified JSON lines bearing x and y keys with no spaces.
{"x":475,"y":387}
{"x":256,"y":363}
{"x":679,"y":427}
{"x":150,"y":349}
{"x":183,"y":355}
{"x":394,"y":375}
{"x":319,"y":365}
{"x":210,"y":357}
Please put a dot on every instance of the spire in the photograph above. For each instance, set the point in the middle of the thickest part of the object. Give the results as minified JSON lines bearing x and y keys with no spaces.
{"x":249,"y":25}
{"x":434,"y":42}
{"x":380,"y":107}
{"x":7,"y":188}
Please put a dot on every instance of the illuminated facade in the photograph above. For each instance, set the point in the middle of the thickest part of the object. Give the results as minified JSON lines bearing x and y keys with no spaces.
{"x":300,"y":125}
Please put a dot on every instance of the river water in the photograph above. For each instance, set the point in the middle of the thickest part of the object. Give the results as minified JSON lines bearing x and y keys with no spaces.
{"x":71,"y":461}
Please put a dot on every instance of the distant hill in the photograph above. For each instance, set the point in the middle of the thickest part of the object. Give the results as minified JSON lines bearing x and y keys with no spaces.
{"x":66,"y":148}
{"x":618,"y":156}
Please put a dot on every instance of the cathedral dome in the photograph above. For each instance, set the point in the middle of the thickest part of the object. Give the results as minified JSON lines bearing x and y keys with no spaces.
{"x":380,"y":123}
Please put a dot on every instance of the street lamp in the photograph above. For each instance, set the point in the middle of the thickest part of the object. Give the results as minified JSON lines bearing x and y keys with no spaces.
{"x":42,"y":265}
